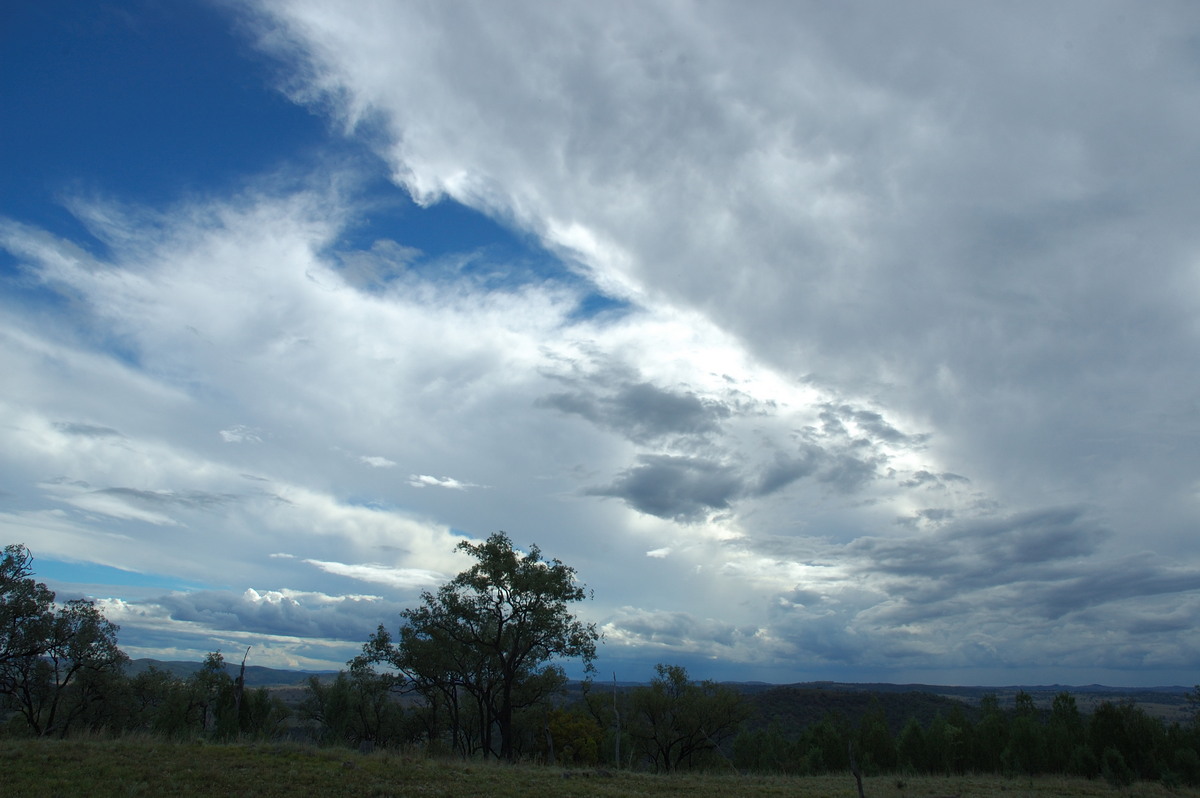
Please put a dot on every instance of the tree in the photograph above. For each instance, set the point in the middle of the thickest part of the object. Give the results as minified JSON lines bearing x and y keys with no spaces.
{"x":991,"y":735}
{"x":910,"y":748}
{"x":1131,"y":733}
{"x":212,"y":688}
{"x":163,"y":703}
{"x":220,"y":705}
{"x":877,"y":749}
{"x":1064,"y":734}
{"x":484,"y":645}
{"x":676,"y":720}
{"x":1026,"y":749}
{"x":54,"y":660}
{"x":356,"y":709}
{"x":26,"y":610}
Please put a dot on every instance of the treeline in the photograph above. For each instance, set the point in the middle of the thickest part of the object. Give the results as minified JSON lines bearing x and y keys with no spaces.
{"x":675,"y":723}
{"x":209,"y":704}
{"x":1118,"y":740}
{"x":61,"y":672}
{"x":672,"y":723}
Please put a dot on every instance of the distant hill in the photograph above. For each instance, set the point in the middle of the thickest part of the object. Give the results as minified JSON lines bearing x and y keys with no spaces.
{"x":256,"y":675}
{"x":799,"y":705}
{"x":795,"y":706}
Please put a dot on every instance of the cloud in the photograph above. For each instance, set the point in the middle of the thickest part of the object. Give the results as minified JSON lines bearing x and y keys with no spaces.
{"x":644,"y":412}
{"x":680,"y":488}
{"x":277,"y":612}
{"x":381,"y":574}
{"x":240,"y":434}
{"x":672,"y":631}
{"x":87,"y":430}
{"x":1132,"y":577}
{"x":376,"y":461}
{"x":426,"y":481}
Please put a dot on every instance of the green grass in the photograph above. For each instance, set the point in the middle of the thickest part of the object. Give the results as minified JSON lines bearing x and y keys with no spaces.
{"x":98,"y":768}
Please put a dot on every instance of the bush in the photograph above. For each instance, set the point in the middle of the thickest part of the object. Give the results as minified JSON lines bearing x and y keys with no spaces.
{"x":1187,"y":766}
{"x":1116,"y":771}
{"x":1083,"y":762}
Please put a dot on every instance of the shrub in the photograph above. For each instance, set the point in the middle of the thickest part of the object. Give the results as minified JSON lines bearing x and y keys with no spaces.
{"x":1116,"y":771}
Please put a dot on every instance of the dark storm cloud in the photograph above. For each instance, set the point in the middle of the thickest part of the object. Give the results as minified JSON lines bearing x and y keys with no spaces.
{"x":826,"y":638}
{"x":687,"y":487}
{"x":786,"y":469}
{"x":1139,"y":576}
{"x":1044,"y":565}
{"x":644,"y":412}
{"x":848,"y":472}
{"x":680,"y":488}
{"x":984,"y":552}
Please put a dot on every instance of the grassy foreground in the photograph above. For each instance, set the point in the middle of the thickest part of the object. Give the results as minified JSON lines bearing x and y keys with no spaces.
{"x":54,"y":768}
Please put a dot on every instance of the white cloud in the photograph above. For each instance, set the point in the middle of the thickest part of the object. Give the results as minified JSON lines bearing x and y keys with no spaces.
{"x":382,"y":574}
{"x":240,"y":434}
{"x":426,"y":481}
{"x":376,"y":461}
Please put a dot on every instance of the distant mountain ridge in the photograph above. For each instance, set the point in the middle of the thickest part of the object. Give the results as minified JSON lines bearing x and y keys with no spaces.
{"x":256,"y":675}
{"x":794,"y":707}
{"x":282,"y":676}
{"x":972,"y":691}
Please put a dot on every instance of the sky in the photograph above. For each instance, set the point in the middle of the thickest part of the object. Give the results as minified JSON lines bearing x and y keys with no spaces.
{"x":826,"y":341}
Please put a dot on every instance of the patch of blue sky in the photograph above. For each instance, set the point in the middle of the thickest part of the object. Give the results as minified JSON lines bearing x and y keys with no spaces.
{"x":151,"y":103}
{"x":147,"y":102}
{"x":457,"y":243}
{"x":51,"y":571}
{"x":594,"y":304}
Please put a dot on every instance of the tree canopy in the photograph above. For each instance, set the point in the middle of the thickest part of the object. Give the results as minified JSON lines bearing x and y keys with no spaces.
{"x":485,"y":645}
{"x":53,"y":659}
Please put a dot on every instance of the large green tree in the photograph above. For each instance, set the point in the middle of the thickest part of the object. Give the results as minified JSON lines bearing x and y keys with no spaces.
{"x":487,"y":643}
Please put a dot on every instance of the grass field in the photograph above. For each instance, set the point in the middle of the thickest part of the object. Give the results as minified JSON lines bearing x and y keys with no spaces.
{"x":98,"y":768}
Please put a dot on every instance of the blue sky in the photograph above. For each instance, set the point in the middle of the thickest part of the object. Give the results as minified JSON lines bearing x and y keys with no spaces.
{"x":826,"y":342}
